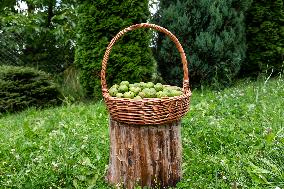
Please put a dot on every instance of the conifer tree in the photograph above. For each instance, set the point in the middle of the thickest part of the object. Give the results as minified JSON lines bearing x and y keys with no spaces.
{"x":212,"y":34}
{"x":130,"y":59}
{"x":265,"y":37}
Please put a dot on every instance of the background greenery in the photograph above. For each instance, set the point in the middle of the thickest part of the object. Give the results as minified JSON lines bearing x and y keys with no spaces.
{"x":47,"y":34}
{"x":232,"y":138}
{"x":41,"y":36}
{"x":265,"y":38}
{"x":212,"y":34}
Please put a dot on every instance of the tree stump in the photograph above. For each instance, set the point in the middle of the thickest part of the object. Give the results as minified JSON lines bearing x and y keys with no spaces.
{"x":142,"y":155}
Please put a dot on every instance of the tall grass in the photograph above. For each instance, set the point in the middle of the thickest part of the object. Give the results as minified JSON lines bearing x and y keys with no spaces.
{"x":70,"y":86}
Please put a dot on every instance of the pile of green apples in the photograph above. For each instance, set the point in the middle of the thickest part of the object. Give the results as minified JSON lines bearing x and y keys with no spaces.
{"x":143,"y":90}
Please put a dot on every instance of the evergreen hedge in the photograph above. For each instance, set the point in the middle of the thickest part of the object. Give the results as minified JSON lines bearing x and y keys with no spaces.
{"x":22,"y":87}
{"x":212,"y":34}
{"x":130,"y":59}
{"x":265,"y":37}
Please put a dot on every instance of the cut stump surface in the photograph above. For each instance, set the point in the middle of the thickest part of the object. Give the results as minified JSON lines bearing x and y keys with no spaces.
{"x":142,"y":155}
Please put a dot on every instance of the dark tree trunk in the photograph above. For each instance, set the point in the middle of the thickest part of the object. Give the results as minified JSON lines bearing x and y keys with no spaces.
{"x":145,"y":155}
{"x":50,"y":14}
{"x":31,"y":6}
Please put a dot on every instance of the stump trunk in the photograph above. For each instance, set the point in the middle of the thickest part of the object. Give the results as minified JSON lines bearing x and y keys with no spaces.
{"x":145,"y":155}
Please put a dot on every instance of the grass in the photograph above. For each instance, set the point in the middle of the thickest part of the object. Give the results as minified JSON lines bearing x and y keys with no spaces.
{"x":231,"y":139}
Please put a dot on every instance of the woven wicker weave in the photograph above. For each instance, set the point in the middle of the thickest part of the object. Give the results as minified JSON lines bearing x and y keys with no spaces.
{"x":148,"y":110}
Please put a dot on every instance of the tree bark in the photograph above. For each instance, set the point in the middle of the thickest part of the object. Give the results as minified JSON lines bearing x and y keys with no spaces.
{"x":142,"y":155}
{"x":50,"y":14}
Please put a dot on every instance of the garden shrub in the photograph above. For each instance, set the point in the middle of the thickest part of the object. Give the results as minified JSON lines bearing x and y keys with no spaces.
{"x":265,"y":37}
{"x":22,"y":87}
{"x":130,"y":58}
{"x":213,"y":37}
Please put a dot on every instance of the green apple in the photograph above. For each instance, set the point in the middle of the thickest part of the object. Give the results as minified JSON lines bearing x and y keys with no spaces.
{"x":167,"y":91}
{"x":132,"y":88}
{"x":146,"y":92}
{"x":136,"y":90}
{"x":128,"y":95}
{"x":122,"y":88}
{"x":142,"y":85}
{"x":153,"y":92}
{"x":161,"y":94}
{"x":137,"y":98}
{"x":136,"y":84}
{"x":113,"y":91}
{"x":176,"y":93}
{"x":149,"y":92}
{"x":115,"y":86}
{"x":141,"y":94}
{"x":176,"y":88}
{"x":119,"y":95}
{"x":149,"y":85}
{"x":159,"y":87}
{"x":124,"y":83}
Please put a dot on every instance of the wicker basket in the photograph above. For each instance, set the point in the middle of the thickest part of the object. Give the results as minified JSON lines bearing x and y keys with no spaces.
{"x":148,"y":110}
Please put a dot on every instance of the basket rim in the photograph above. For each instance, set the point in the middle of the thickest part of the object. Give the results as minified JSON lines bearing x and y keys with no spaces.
{"x":112,"y":98}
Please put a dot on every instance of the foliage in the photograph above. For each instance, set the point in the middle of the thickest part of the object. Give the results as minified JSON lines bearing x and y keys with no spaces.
{"x":130,"y":58}
{"x":230,"y":138}
{"x":41,"y":36}
{"x":265,"y":37}
{"x":7,"y":4}
{"x":22,"y":87}
{"x":213,"y":37}
{"x":9,"y":42}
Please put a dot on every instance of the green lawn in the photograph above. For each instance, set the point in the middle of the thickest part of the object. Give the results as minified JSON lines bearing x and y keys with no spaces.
{"x":230,"y":137}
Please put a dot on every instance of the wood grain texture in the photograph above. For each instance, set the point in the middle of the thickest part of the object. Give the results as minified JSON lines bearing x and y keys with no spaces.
{"x":144,"y":155}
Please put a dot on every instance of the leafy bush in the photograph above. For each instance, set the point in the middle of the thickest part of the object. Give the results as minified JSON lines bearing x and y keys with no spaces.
{"x":42,"y":39}
{"x":130,"y":59}
{"x":212,"y":34}
{"x":21,"y":87}
{"x":265,"y":37}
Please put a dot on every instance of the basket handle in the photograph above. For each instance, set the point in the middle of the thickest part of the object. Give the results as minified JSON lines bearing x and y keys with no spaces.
{"x":145,"y":25}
